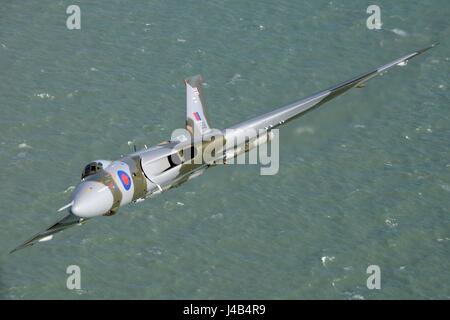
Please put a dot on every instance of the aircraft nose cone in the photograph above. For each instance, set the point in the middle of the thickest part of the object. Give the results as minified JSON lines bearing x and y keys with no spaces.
{"x":91,"y":199}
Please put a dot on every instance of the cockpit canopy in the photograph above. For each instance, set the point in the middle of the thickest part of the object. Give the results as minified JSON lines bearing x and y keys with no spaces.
{"x":91,"y":168}
{"x":94,"y":167}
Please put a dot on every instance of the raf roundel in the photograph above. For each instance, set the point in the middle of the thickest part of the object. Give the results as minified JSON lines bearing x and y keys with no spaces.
{"x":125,"y":179}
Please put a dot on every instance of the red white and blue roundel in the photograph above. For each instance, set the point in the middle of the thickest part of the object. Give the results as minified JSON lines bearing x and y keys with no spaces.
{"x":125,"y":179}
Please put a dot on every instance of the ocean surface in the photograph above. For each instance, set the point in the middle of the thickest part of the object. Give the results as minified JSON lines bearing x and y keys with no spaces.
{"x":363,"y":180}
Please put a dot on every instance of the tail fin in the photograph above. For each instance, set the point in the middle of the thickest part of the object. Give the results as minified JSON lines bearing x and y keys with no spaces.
{"x":196,"y":121}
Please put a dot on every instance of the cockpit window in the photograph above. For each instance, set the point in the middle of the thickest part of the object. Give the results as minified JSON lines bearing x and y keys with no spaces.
{"x":91,"y":168}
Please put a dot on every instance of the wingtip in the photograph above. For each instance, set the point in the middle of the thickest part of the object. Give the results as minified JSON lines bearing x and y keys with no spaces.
{"x":22,"y":246}
{"x":434,"y":44}
{"x":428,"y":48}
{"x":16,"y":249}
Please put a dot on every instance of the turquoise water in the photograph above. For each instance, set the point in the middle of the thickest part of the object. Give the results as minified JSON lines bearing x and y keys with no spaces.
{"x":363,"y":180}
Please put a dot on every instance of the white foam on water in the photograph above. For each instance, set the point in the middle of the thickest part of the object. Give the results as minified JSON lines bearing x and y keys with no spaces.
{"x":302,"y":130}
{"x":24,"y":146}
{"x":420,"y":129}
{"x":217,"y":216}
{"x":80,"y":291}
{"x":348,"y":268}
{"x":399,"y":32}
{"x":44,"y":96}
{"x":236,"y":77}
{"x":71,"y":94}
{"x":391,"y":223}
{"x":333,"y":283}
{"x":326,"y":259}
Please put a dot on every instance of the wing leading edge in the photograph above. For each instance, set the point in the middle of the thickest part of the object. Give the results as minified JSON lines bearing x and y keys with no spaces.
{"x":291,"y":111}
